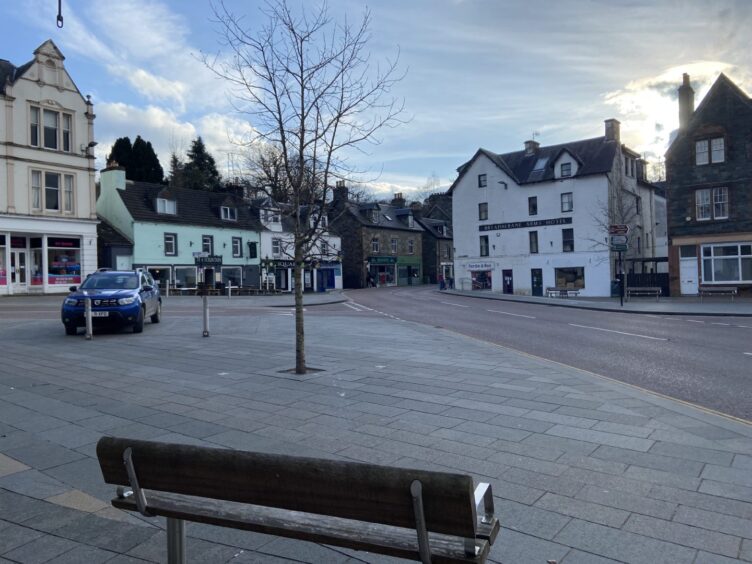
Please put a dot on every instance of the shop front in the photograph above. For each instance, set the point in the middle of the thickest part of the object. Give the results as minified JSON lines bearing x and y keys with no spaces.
{"x":408,"y":271}
{"x":382,"y":270}
{"x":481,"y":275}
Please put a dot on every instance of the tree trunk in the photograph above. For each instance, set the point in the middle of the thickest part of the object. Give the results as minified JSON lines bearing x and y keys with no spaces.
{"x":300,"y":364}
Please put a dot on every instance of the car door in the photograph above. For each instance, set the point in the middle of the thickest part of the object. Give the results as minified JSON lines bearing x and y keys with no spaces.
{"x":148,"y":296}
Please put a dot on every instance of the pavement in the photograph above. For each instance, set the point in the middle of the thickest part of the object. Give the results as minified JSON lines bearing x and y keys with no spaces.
{"x":584,"y":469}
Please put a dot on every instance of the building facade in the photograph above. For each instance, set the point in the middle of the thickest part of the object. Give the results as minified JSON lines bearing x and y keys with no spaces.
{"x":438,"y":253}
{"x":48,"y":221}
{"x":382,"y":244}
{"x":709,"y":178}
{"x":539,"y":218}
{"x":169,"y":227}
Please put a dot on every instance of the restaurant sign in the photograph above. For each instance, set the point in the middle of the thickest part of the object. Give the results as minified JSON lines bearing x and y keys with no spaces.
{"x":520,"y":224}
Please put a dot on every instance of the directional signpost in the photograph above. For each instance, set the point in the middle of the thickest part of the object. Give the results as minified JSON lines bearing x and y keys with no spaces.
{"x":619,"y":242}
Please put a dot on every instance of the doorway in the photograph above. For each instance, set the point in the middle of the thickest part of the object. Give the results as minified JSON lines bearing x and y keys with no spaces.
{"x":688,"y":270}
{"x":18,"y":274}
{"x":508,"y":283}
{"x":536,"y":281}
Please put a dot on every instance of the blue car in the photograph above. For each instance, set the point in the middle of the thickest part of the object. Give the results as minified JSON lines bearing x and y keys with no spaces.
{"x":118,"y":298}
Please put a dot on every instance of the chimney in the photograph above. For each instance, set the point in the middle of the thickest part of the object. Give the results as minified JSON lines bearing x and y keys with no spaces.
{"x":686,"y":102}
{"x":112,"y":178}
{"x":612,"y":130}
{"x":531,"y":147}
{"x":417,"y":209}
{"x":340,"y":192}
{"x":398,"y":201}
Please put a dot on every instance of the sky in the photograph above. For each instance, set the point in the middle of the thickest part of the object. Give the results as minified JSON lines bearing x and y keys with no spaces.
{"x":477,"y":73}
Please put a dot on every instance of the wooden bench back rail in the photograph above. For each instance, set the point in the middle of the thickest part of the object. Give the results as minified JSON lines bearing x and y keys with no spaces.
{"x":363,"y":492}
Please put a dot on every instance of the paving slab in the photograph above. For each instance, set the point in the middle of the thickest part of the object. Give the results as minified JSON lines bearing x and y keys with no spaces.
{"x":583,"y":469}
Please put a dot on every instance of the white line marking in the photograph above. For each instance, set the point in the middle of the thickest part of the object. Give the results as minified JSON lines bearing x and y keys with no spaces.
{"x":748,"y":354}
{"x":693,"y":321}
{"x":507,"y":313}
{"x":725,"y":324}
{"x":456,"y":305}
{"x":351,"y":306}
{"x":744,"y":326}
{"x":620,"y":332}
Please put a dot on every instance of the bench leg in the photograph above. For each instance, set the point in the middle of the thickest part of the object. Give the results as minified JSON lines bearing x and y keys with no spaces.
{"x":175,"y":541}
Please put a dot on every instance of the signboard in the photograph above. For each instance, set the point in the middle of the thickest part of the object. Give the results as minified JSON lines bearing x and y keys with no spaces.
{"x":479,"y":266}
{"x":200,"y":254}
{"x":382,"y":260}
{"x":521,"y":224}
{"x":618,"y":229}
{"x":210,"y":261}
{"x":619,"y":243}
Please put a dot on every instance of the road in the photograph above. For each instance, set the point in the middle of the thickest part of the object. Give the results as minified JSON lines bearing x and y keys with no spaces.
{"x":702,"y":360}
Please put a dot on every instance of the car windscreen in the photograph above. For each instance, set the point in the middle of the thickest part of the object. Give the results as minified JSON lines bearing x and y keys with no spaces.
{"x":111,"y":282}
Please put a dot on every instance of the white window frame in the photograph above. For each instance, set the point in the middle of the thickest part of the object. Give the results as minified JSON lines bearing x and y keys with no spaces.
{"x":207,"y":244}
{"x":276,"y":247}
{"x":565,"y":172}
{"x":35,"y":113}
{"x":229,"y":214}
{"x":703,"y":207}
{"x":567,"y":202}
{"x":482,"y":180}
{"x":720,"y":203}
{"x":708,"y":256}
{"x":171,"y":239}
{"x":717,"y":150}
{"x":710,"y":150}
{"x":237,"y":247}
{"x":165,"y":206}
{"x":36,"y":190}
{"x":411,"y":246}
{"x":375,"y":245}
{"x":195,"y":275}
{"x":393,"y":244}
{"x":483,"y":211}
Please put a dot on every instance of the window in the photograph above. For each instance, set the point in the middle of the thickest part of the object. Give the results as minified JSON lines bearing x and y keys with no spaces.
{"x":166,"y":206}
{"x":324,"y":248}
{"x":170,"y":244}
{"x":727,"y":262}
{"x":629,"y":166}
{"x":237,"y":247}
{"x":232,"y":276}
{"x":565,"y":169}
{"x":34,"y":127}
{"x":374,"y":216}
{"x":572,"y":277}
{"x":68,"y":193}
{"x":446,"y":250}
{"x":711,"y":203}
{"x":252,"y":249}
{"x":229,"y":214}
{"x":540,"y":164}
{"x":710,"y":151}
{"x":567,"y":240}
{"x":638,"y":205}
{"x":410,"y":221}
{"x":483,"y":211}
{"x":533,"y":242}
{"x":36,"y":189}
{"x":720,"y":203}
{"x":394,"y":246}
{"x":639,"y":245}
{"x":532,"y":205}
{"x":67,"y":119}
{"x":411,"y":246}
{"x":207,"y":244}
{"x":270,"y":216}
{"x":484,"y":245}
{"x":50,"y":129}
{"x":276,"y":248}
{"x":482,"y":180}
{"x":51,"y":191}
{"x":185,"y":276}
{"x":567,"y":203}
{"x":375,"y":245}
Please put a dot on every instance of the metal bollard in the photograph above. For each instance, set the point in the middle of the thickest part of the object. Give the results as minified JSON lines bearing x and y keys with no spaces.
{"x":206,"y":315}
{"x":229,"y":291}
{"x":87,"y":313}
{"x":175,"y":541}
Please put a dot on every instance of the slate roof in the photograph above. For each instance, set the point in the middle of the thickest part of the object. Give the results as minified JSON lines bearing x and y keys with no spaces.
{"x":10,"y":73}
{"x":194,"y":207}
{"x":596,"y":156}
{"x":389,"y":216}
{"x":433,"y":226}
{"x":108,"y":235}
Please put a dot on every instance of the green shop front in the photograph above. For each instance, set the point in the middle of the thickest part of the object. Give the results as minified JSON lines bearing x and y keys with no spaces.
{"x":382,"y":270}
{"x":409,"y":270}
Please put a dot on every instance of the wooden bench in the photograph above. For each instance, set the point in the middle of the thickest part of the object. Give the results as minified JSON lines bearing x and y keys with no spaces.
{"x":415,"y":514}
{"x":555,"y":292}
{"x":644,"y":291}
{"x":718,"y":291}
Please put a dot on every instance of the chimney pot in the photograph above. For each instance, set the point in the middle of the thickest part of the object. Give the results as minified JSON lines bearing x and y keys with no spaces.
{"x":613,"y":132}
{"x":531,"y":147}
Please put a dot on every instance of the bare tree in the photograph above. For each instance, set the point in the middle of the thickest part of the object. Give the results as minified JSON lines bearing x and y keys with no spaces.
{"x":313,"y":96}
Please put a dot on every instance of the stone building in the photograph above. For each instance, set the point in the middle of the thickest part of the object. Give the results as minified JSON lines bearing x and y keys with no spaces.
{"x":709,"y":178}
{"x":381,"y":243}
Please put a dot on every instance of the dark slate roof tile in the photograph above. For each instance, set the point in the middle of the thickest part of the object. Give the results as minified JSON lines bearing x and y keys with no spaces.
{"x":107,"y":234}
{"x":389,"y":217}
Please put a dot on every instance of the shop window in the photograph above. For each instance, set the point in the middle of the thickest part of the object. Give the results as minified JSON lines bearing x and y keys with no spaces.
{"x":724,"y":263}
{"x":237,"y":247}
{"x":185,"y":277}
{"x":231,"y":276}
{"x":3,"y":273}
{"x":571,"y":278}
{"x":64,"y":260}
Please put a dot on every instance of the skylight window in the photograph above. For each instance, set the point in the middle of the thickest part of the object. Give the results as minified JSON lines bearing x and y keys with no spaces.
{"x":387,"y":217}
{"x":540,"y":164}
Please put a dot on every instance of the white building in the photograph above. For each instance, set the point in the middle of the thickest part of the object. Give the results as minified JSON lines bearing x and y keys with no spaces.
{"x":48,"y":222}
{"x":539,"y":218}
{"x":323,"y":269}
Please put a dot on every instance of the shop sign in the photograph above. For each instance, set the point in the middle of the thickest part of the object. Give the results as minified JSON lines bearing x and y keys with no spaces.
{"x":521,"y":224}
{"x":210,"y":261}
{"x":480,"y":266}
{"x":383,"y":260}
{"x":63,"y":243}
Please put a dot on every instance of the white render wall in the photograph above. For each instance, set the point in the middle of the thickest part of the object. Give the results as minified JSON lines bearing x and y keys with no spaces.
{"x":509,"y":248}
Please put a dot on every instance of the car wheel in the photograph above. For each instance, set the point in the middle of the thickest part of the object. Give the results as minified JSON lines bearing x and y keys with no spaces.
{"x":71,"y":330}
{"x":157,"y":314}
{"x":138,"y":326}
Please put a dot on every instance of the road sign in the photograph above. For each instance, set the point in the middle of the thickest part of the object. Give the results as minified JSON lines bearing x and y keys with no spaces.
{"x":618,"y":240}
{"x":618,"y":229}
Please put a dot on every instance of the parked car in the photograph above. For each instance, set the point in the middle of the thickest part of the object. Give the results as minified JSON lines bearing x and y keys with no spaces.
{"x":118,"y":298}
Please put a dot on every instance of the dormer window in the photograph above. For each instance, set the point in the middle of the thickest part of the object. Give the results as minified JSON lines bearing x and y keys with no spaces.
{"x":374,"y":216}
{"x":410,"y":221}
{"x":229,"y":214}
{"x":166,"y":206}
{"x":271,"y":216}
{"x":565,"y":170}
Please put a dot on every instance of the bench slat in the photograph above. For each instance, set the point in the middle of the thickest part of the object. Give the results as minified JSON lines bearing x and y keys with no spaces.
{"x":376,"y":494}
{"x":357,"y":535}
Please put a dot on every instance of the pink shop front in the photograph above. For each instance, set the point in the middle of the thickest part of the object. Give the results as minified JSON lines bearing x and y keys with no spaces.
{"x":30,"y":264}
